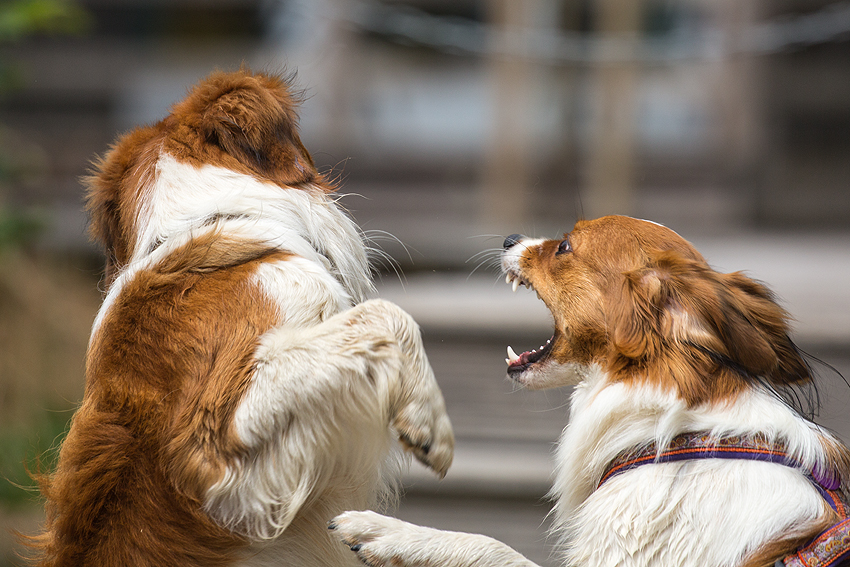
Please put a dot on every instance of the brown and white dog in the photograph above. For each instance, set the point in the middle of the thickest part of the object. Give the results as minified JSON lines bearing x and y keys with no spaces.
{"x":240,"y":390}
{"x":658,"y":346}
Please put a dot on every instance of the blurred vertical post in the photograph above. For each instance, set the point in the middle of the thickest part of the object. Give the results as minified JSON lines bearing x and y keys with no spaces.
{"x":609,"y":173}
{"x":742,"y":136}
{"x":505,"y":193}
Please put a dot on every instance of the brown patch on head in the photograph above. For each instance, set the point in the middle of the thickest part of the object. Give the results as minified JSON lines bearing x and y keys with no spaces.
{"x":573,"y":280}
{"x":166,"y":370}
{"x":241,"y":121}
{"x":640,"y":301}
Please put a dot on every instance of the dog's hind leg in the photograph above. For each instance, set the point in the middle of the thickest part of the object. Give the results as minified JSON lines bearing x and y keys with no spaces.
{"x":380,"y":541}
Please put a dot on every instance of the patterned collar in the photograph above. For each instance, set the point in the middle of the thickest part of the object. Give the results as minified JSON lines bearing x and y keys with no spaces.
{"x":703,"y":445}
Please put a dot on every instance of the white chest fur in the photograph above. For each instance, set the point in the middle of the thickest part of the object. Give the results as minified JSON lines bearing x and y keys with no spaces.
{"x":702,"y":512}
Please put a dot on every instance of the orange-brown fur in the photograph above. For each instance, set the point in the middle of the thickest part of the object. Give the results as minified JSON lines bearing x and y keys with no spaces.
{"x":768,"y":554}
{"x":645,"y":303}
{"x":658,"y":346}
{"x":153,"y":431}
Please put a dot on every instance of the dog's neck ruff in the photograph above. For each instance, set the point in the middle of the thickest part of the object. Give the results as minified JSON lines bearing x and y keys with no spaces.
{"x":829,"y":549}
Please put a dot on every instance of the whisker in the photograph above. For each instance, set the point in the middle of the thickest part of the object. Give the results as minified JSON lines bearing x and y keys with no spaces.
{"x":489,"y":264}
{"x":381,"y":257}
{"x":487,"y":252}
{"x":486,"y":236}
{"x":375,"y":235}
{"x":490,"y":258}
{"x":383,"y":260}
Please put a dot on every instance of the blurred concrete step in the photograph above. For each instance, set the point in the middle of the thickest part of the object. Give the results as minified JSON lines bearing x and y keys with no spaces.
{"x":489,"y":469}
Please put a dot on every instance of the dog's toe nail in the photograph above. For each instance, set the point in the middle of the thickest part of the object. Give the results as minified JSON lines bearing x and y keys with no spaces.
{"x":331,"y":525}
{"x":356,"y":547}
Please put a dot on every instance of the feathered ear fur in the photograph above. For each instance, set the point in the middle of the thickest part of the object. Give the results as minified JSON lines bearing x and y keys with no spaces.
{"x":113,"y":191}
{"x":251,"y":117}
{"x":678,"y":305}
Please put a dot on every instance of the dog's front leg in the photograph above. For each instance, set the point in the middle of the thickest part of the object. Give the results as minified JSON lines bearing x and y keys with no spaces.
{"x":315,"y":415}
{"x":380,"y":541}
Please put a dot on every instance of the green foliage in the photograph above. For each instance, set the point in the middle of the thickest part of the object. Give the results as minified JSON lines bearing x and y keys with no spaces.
{"x":18,"y":227}
{"x":29,"y":450}
{"x":21,"y":18}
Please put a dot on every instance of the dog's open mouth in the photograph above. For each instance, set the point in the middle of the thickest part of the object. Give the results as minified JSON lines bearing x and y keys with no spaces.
{"x":519,"y":363}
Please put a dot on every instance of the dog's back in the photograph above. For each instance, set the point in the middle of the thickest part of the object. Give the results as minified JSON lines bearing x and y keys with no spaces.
{"x":240,"y":391}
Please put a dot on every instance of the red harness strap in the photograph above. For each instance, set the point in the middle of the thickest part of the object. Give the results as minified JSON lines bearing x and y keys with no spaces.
{"x":829,"y":549}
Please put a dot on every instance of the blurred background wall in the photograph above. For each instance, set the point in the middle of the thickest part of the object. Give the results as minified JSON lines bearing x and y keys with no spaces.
{"x":450,"y":123}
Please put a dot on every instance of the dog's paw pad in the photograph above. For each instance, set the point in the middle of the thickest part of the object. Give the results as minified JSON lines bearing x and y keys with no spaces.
{"x":366,"y":534}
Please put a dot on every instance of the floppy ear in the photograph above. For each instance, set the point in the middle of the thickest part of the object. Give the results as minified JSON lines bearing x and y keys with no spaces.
{"x":104,"y":218}
{"x":633,"y":313}
{"x":252,"y":118}
{"x":107,"y":199}
{"x":678,"y":302}
{"x":647,"y":312}
{"x":755,"y":331}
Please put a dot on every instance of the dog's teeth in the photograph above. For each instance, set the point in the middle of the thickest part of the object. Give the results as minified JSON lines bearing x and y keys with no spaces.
{"x":512,"y":356}
{"x":508,"y":278}
{"x":516,"y":284}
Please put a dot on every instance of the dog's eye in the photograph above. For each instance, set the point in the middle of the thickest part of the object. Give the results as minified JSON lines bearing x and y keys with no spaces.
{"x":564,"y":247}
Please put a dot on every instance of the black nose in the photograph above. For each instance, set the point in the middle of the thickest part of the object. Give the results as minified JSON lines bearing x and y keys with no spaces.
{"x":512,"y":239}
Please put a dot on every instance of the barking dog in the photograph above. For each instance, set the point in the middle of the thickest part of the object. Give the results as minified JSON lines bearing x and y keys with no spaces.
{"x":680,"y":450}
{"x":240,"y":390}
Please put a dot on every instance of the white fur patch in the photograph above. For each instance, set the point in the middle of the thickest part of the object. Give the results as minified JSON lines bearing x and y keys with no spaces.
{"x":302,"y":220}
{"x":288,"y":417}
{"x":552,"y":374}
{"x":512,"y":255}
{"x":388,"y":541}
{"x":315,"y":417}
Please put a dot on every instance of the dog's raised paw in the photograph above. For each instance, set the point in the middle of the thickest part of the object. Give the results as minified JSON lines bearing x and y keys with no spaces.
{"x":425,"y":430}
{"x":374,"y":538}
